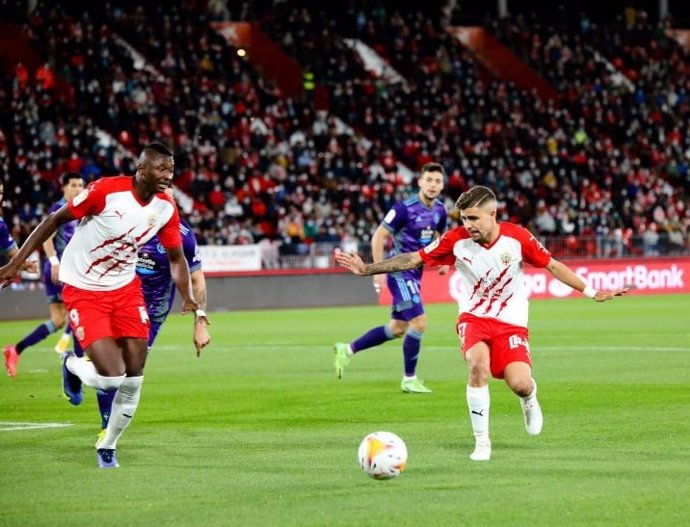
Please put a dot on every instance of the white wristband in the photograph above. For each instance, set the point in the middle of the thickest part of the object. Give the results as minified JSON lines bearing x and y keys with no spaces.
{"x":590,"y":292}
{"x":54,"y":260}
{"x":200,"y":313}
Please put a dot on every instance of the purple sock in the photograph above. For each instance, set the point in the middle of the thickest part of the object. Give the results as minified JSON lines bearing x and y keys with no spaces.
{"x":105,"y":405}
{"x":36,"y":336}
{"x":411,"y":344}
{"x":372,"y":338}
{"x":78,"y":350}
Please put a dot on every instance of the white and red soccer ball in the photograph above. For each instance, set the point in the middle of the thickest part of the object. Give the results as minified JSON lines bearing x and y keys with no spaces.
{"x":382,"y":455}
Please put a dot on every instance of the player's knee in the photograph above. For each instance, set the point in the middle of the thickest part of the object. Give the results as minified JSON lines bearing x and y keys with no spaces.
{"x":398,"y":329}
{"x":419,"y":325}
{"x":521,"y":386}
{"x":109,"y":383}
{"x":479,"y":370}
{"x":58,"y":322}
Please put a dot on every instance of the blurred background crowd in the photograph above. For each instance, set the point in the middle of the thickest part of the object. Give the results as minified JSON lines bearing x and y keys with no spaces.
{"x":602,"y":169}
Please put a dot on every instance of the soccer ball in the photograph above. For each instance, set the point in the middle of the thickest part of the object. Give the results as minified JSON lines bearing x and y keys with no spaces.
{"x":382,"y":455}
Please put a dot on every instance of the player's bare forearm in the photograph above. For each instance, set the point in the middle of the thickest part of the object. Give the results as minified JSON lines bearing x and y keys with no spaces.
{"x":179,"y":270}
{"x":401,"y":262}
{"x":40,"y":234}
{"x":566,"y":275}
{"x":199,"y":288}
{"x":378,"y":242}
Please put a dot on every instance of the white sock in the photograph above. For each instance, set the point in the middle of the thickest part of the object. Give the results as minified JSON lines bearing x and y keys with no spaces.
{"x":84,"y":369}
{"x":407,"y":378}
{"x":124,"y":406}
{"x":478,"y":402}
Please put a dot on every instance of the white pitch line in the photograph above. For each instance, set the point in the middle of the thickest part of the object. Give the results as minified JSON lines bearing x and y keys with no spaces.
{"x":9,"y":426}
{"x":327,"y":348}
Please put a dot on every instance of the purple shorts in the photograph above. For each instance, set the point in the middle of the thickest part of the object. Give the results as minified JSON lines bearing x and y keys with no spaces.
{"x":154,"y":328}
{"x":53,"y":291}
{"x":407,"y":301}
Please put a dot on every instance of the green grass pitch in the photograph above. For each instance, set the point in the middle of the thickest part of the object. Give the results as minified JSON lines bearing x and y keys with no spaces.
{"x":259,"y":431}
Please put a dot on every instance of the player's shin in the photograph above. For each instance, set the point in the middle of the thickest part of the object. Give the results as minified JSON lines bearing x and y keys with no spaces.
{"x":124,"y":407}
{"x":478,"y":402}
{"x":411,"y":346}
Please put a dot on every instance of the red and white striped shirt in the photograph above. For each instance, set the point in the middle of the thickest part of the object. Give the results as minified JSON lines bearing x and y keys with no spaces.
{"x":102,"y":254}
{"x":492,"y":280}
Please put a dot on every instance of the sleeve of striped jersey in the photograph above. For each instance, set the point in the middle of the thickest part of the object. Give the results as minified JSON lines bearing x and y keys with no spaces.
{"x":89,"y":201}
{"x":395,"y":218}
{"x":440,"y":251}
{"x":533,"y":252}
{"x":169,"y":235}
{"x":191,"y":250}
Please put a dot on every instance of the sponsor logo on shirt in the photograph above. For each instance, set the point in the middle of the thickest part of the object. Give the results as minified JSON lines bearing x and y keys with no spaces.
{"x":79,"y":198}
{"x":432,"y":245}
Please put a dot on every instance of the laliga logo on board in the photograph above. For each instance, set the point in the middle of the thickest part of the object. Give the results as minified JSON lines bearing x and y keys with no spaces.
{"x":541,"y":283}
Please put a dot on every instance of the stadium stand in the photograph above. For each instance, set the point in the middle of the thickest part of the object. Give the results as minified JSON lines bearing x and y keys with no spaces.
{"x":600,"y":171}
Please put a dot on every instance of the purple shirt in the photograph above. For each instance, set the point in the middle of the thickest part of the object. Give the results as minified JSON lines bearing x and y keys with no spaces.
{"x":413,"y":226}
{"x":7,"y":243}
{"x":65,"y":232}
{"x":153,"y":268}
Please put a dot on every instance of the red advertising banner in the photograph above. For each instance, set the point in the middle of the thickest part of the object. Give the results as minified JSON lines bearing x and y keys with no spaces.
{"x":653,"y":276}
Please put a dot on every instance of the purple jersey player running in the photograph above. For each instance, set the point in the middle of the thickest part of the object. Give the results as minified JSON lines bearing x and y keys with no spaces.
{"x":72,"y":184}
{"x":413,"y":224}
{"x":153,"y":268}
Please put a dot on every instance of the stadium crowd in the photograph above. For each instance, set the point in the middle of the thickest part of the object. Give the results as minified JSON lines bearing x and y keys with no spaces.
{"x":608,"y":158}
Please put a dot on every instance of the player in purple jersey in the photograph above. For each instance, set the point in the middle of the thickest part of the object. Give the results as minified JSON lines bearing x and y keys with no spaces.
{"x":153,"y":268}
{"x":8,"y":247}
{"x":72,"y":184}
{"x":412,"y":224}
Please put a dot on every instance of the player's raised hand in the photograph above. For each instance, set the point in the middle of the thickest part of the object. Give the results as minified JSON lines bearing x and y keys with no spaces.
{"x":350,"y":261}
{"x":603,"y":296}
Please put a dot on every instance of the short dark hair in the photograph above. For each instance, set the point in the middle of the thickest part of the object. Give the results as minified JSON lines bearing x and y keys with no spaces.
{"x":69,"y":176}
{"x":433,"y":167}
{"x":158,"y":148}
{"x":475,"y":197}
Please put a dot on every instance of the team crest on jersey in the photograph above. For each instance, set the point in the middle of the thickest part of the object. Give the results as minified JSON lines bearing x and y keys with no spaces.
{"x":79,"y":198}
{"x":153,"y":218}
{"x":506,"y":258}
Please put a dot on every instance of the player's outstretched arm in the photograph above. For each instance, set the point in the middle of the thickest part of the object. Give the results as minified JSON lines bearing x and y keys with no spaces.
{"x":566,"y":275}
{"x":44,"y":230}
{"x":179,"y":270}
{"x":401,"y":262}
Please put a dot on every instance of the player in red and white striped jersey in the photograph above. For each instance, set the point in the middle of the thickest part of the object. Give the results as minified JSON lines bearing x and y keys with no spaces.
{"x":102,"y":292}
{"x":492,"y":327}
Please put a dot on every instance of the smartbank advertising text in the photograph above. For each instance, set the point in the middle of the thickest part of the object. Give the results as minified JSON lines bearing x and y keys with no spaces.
{"x":647,"y":277}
